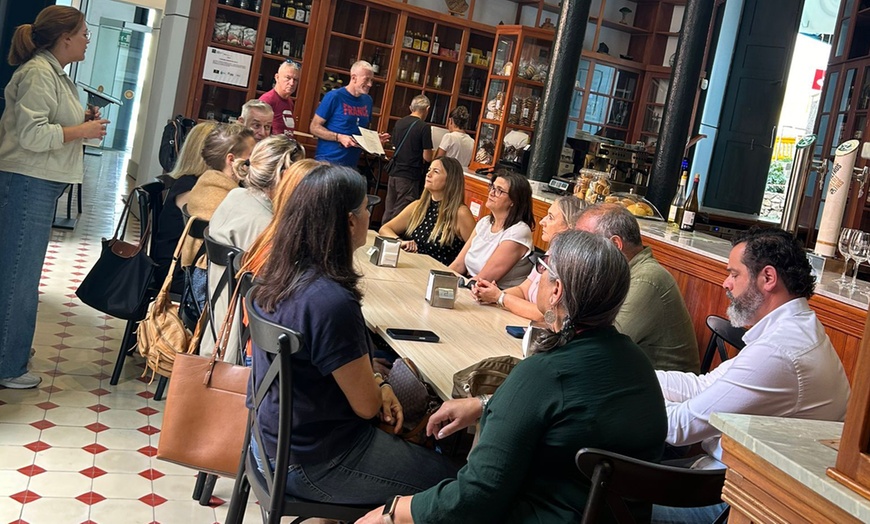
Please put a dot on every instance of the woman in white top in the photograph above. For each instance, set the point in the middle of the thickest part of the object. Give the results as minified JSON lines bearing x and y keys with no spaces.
{"x":456,"y":143}
{"x":520,"y":300}
{"x":499,"y":247}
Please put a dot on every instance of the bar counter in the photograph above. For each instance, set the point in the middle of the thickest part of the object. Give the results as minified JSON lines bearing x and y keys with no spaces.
{"x":697,"y":261}
{"x":776,"y":471}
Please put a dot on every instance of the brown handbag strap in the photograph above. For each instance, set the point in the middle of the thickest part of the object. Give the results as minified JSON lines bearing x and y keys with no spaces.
{"x":163,"y":295}
{"x":223,"y":337}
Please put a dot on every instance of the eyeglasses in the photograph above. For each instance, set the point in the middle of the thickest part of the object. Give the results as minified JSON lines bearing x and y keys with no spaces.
{"x":541,"y":264}
{"x":495,"y":190}
{"x":88,"y":35}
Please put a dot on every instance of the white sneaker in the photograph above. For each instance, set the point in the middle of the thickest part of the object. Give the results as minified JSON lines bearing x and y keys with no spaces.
{"x":25,"y":381}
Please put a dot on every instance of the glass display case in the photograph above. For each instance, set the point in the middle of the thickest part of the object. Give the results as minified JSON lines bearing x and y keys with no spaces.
{"x":519,"y":68}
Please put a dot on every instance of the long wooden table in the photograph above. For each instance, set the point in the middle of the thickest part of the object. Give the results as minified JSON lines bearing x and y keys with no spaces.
{"x":469,"y":333}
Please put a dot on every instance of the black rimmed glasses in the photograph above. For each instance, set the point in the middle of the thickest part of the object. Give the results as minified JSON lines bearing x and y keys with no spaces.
{"x":497,"y":191}
{"x":541,"y":263}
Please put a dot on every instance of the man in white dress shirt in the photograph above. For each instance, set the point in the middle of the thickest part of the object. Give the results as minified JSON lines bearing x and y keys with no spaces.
{"x":787,"y":369}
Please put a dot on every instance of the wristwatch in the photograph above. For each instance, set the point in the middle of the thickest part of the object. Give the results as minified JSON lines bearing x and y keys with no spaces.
{"x":390,"y":509}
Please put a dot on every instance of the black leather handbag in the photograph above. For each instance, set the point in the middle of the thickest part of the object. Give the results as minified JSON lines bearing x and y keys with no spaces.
{"x":118,"y":283}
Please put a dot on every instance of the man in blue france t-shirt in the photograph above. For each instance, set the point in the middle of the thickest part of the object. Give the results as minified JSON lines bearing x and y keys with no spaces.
{"x":340,"y":115}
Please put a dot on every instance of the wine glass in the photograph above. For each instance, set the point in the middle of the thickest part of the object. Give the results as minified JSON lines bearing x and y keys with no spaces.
{"x":844,"y":244}
{"x":860,"y":251}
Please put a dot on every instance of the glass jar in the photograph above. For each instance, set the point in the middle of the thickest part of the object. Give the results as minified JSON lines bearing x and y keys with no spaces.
{"x":599,"y":186}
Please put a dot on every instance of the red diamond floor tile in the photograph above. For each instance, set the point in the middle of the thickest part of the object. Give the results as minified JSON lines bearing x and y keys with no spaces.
{"x":145,"y":411}
{"x":37,"y":446}
{"x":51,"y":389}
{"x":67,"y":313}
{"x":146,"y":394}
{"x":92,"y":472}
{"x":43,"y":424}
{"x":151,"y":474}
{"x":90,"y":498}
{"x":96,"y":449}
{"x":31,"y":470}
{"x":23,"y":497}
{"x":149,"y":430}
{"x":58,"y":359}
{"x":153,"y":499}
{"x":99,"y":408}
{"x":63,"y":335}
{"x":65,"y":323}
{"x":96,"y":427}
{"x":47,"y":405}
{"x":60,"y":346}
{"x":148,"y":451}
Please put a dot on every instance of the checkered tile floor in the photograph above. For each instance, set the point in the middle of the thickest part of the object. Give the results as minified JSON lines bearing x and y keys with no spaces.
{"x":76,"y":449}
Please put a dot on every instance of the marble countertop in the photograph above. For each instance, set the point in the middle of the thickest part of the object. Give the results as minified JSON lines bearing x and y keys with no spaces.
{"x":792,"y":445}
{"x":718,"y":249}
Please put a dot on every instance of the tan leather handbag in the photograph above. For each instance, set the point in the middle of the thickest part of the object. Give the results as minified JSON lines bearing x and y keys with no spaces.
{"x":484,"y":377}
{"x":205,"y":419}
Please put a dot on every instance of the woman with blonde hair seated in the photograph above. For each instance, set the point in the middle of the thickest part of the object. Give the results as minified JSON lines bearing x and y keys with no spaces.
{"x":439,"y":223}
{"x":583,"y":385}
{"x":520,"y":300}
{"x":245,"y":213}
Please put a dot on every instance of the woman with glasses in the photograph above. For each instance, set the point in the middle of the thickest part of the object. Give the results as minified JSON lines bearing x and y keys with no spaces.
{"x":439,"y":223}
{"x":309,"y":284}
{"x":245,"y":212}
{"x":41,"y":136}
{"x":499,"y":247}
{"x":520,"y":300}
{"x":583,"y":385}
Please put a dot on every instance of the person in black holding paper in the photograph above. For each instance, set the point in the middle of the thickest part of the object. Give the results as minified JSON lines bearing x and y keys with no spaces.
{"x":413,"y":139}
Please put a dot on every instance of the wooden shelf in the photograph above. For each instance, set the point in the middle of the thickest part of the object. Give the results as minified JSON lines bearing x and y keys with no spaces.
{"x":229,"y":47}
{"x":527,"y":82}
{"x":225,"y":86}
{"x":521,"y":128}
{"x":336,"y":70}
{"x":418,"y":53}
{"x":488,"y":121}
{"x":283,"y":58}
{"x":443,"y":58}
{"x":625,"y":28}
{"x":475,"y":66}
{"x":410,"y":85}
{"x":429,"y":89}
{"x":471,"y":98}
{"x":287,"y":21}
{"x":334,"y":34}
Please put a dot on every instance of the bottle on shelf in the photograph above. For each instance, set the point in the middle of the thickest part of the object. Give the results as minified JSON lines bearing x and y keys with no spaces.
{"x":276,"y":8}
{"x":679,"y":200}
{"x":514,"y":112}
{"x":528,"y":108}
{"x":376,"y":61}
{"x":415,"y":75}
{"x":439,"y":77}
{"x":408,"y":41}
{"x":289,"y":10}
{"x":300,"y":11}
{"x":536,"y":103}
{"x":690,"y":211}
{"x":257,"y":6}
{"x":499,"y":105}
{"x":403,"y":68}
{"x":470,"y":88}
{"x":424,"y":43}
{"x":307,"y":11}
{"x":244,"y":4}
{"x":436,"y":46}
{"x":417,"y":42}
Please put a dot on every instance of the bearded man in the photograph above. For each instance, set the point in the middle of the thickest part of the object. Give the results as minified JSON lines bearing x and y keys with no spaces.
{"x":787,"y":369}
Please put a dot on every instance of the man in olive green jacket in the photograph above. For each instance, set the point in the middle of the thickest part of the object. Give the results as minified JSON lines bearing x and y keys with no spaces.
{"x":654,"y":314}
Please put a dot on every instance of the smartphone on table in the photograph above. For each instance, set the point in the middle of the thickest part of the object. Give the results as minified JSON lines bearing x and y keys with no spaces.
{"x":418,"y":335}
{"x":515,"y":331}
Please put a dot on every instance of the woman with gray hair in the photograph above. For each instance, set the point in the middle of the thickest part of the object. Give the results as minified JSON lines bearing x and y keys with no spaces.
{"x":520,"y":300}
{"x":584,"y":385}
{"x":246,"y":212}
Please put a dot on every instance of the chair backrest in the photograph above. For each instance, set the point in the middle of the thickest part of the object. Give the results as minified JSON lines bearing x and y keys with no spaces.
{"x":155,"y":207}
{"x":721,"y":332}
{"x":197,"y":230}
{"x":279,"y":342}
{"x":220,"y":255}
{"x":616,"y":479}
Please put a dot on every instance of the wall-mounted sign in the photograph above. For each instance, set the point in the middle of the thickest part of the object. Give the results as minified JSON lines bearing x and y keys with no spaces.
{"x":818,"y":80}
{"x":226,"y":67}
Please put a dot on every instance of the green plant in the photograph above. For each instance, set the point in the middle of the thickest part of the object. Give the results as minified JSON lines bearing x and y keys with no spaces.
{"x":777,"y":177}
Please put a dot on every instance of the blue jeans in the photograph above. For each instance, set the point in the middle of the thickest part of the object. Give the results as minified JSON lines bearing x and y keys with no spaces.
{"x":702,"y":515}
{"x":27,"y":207}
{"x":375,"y":467}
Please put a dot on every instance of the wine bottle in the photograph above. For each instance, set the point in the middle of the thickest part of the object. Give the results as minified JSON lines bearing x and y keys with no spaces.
{"x":436,"y":46}
{"x":417,"y":42}
{"x":690,"y":212}
{"x":376,"y":61}
{"x":403,"y":69}
{"x":408,"y":41}
{"x":439,"y":77}
{"x":415,"y":76}
{"x":424,"y":43}
{"x":307,"y":11}
{"x":289,"y":10}
{"x":300,"y":11}
{"x":275,"y":9}
{"x":679,"y":199}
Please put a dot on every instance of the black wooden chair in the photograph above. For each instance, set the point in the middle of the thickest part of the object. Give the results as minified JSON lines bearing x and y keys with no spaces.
{"x":617,"y":479}
{"x":281,"y":343}
{"x":722,"y":332}
{"x":149,"y":198}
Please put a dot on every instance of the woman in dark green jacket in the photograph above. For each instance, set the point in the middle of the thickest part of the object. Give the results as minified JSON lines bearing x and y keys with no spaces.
{"x":584,"y":385}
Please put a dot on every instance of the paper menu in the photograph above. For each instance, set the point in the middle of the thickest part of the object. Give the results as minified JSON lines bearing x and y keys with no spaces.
{"x":369,"y":141}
